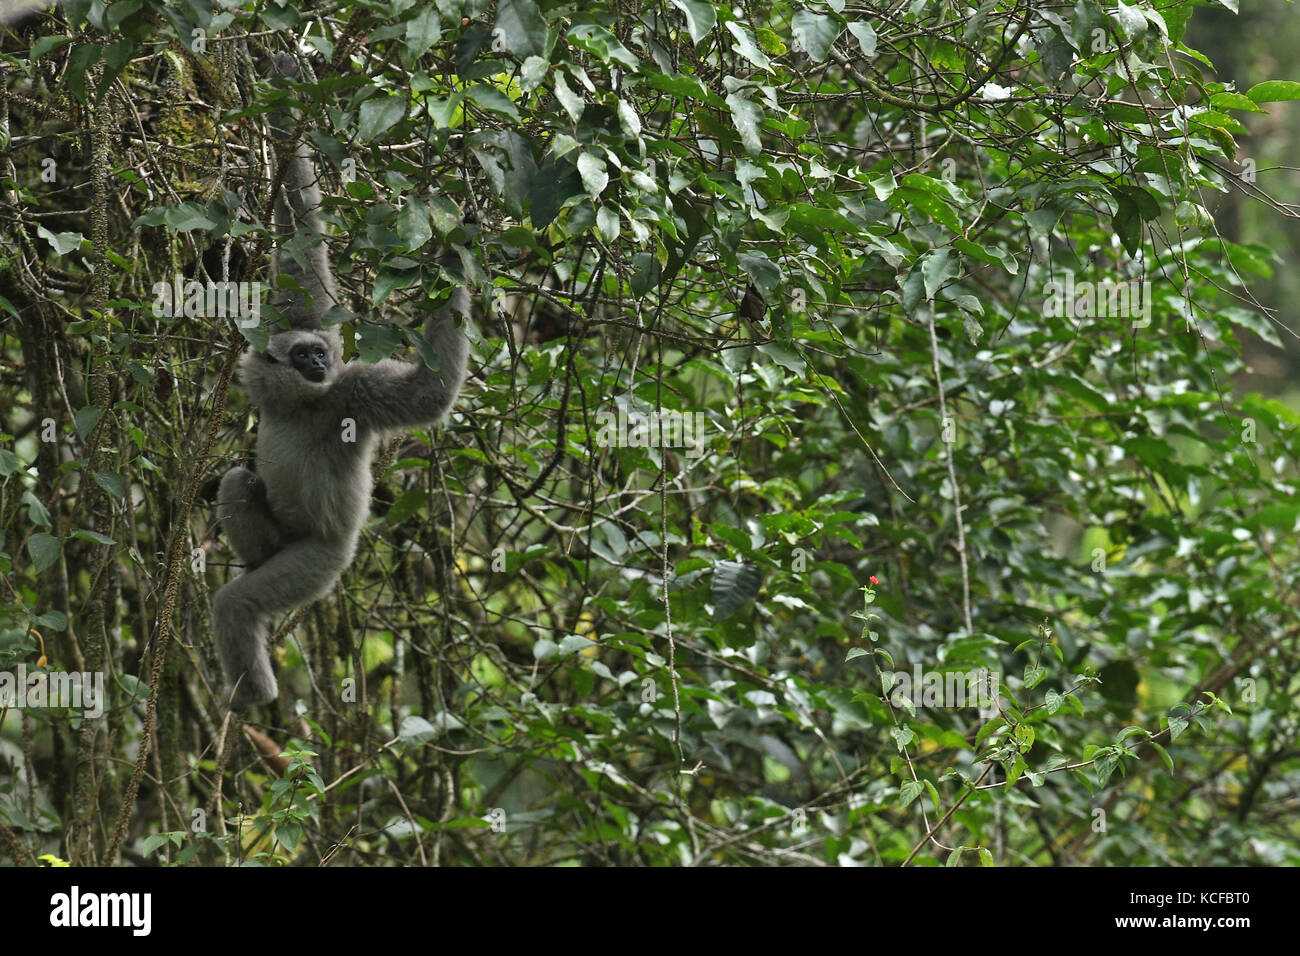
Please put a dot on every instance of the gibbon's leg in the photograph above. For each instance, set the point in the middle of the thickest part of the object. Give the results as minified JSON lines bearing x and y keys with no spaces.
{"x":246,"y":518}
{"x":300,"y":573}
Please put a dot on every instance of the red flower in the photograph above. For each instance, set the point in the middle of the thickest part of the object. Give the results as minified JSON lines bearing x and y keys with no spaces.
{"x":873,"y":580}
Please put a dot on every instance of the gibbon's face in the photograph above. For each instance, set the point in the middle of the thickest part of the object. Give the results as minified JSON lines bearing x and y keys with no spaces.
{"x":310,"y":360}
{"x":302,"y":357}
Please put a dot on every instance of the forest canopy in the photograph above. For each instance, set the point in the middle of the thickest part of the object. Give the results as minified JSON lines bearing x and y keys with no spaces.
{"x":860,"y":463}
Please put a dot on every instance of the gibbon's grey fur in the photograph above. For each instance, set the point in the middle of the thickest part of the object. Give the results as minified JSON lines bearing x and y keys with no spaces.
{"x":295,"y":522}
{"x":297,"y":224}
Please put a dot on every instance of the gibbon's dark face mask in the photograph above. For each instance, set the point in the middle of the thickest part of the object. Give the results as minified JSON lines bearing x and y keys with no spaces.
{"x":310,"y":360}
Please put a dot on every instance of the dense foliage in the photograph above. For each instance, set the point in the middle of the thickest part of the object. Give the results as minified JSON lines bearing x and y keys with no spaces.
{"x":933,"y":299}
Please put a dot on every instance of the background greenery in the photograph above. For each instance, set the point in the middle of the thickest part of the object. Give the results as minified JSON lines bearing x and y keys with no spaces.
{"x":827,"y":226}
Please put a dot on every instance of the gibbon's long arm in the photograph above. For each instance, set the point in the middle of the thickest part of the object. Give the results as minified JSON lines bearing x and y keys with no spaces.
{"x":296,"y":220}
{"x":392,"y":395}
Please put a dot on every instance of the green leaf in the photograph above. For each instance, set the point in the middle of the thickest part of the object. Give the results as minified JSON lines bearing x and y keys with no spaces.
{"x":84,"y":534}
{"x":865,"y":34}
{"x":603,"y":44}
{"x":413,"y":224}
{"x":411,"y":502}
{"x":735,"y":585}
{"x":930,"y":204}
{"x":994,"y":256}
{"x":815,"y":33}
{"x":1024,"y":736}
{"x":594,"y":175}
{"x":491,"y":99}
{"x":771,"y":43}
{"x":188,"y":217}
{"x":386,"y":283}
{"x":153,"y":841}
{"x":417,"y":730}
{"x":446,"y":113}
{"x":379,"y":115}
{"x":574,"y":643}
{"x":112,"y":483}
{"x":1135,"y":205}
{"x":1176,"y":727}
{"x":44,"y":550}
{"x":533,"y":72}
{"x":520,"y":28}
{"x":1131,"y":21}
{"x":289,"y":834}
{"x":54,"y":620}
{"x":44,"y":45}
{"x":1014,"y":772}
{"x":1164,"y":755}
{"x":607,"y":224}
{"x":1234,"y":101}
{"x":1274,"y":91}
{"x":747,"y":47}
{"x":1042,"y":222}
{"x":628,"y":120}
{"x":422,"y":32}
{"x":85,"y":420}
{"x":63,"y":242}
{"x":785,"y":357}
{"x":1217,"y":120}
{"x":700,"y":18}
{"x":133,"y":687}
{"x":80,"y":62}
{"x":810,"y":221}
{"x":36,"y":511}
{"x":684,"y":86}
{"x":571,"y":101}
{"x":937,"y":268}
{"x":747,"y":115}
{"x":1104,"y":767}
{"x":762,"y":272}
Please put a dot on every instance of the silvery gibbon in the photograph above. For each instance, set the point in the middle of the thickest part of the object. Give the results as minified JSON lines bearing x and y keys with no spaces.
{"x":295,"y":521}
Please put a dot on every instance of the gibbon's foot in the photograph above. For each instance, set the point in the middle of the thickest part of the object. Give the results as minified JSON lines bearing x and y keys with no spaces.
{"x":252,"y":689}
{"x":254,"y":683}
{"x":241,"y":642}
